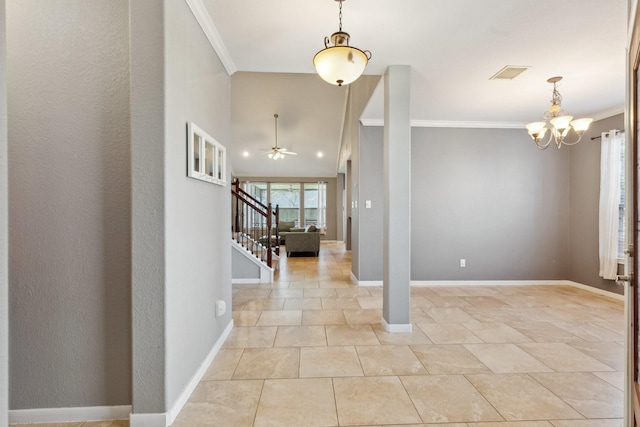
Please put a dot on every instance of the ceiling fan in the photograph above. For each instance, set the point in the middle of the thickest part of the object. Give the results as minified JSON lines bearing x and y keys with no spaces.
{"x":276,"y":152}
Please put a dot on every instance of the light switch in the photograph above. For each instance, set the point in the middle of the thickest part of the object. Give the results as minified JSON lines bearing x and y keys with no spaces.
{"x":367,"y":204}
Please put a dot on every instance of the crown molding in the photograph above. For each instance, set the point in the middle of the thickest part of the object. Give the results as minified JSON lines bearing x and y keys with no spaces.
{"x":204,"y":19}
{"x":608,"y":113}
{"x":482,"y":125}
{"x":450,"y":124}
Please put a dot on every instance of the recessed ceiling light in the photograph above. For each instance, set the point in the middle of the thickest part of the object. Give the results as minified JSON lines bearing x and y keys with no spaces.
{"x":245,"y":153}
{"x":320,"y":154}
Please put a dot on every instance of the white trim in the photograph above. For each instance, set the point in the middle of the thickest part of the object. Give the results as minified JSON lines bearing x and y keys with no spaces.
{"x":396,"y":327}
{"x":191,"y":385}
{"x":482,"y":125}
{"x":210,"y":31}
{"x":167,"y":418}
{"x":60,"y":415}
{"x":255,"y":281}
{"x":149,"y":420}
{"x":364,"y":283}
{"x":451,"y":124}
{"x":488,"y":282}
{"x":435,"y":283}
{"x":369,"y":283}
{"x":595,"y":290}
{"x":608,"y":113}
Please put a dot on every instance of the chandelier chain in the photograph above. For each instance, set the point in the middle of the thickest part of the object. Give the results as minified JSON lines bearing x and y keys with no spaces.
{"x":340,"y":14}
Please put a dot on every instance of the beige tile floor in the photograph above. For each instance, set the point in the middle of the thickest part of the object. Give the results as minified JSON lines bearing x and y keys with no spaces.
{"x":308,"y":350}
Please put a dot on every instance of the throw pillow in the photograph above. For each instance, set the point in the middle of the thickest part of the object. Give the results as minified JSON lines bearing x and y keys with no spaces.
{"x":285,"y":226}
{"x":312,"y":228}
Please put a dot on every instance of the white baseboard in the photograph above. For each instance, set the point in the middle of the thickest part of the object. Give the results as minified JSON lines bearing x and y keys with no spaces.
{"x":149,"y":420}
{"x":195,"y":379}
{"x":595,"y":290}
{"x":167,"y":418}
{"x":77,"y":414}
{"x":434,"y":283}
{"x":396,"y":328}
{"x":370,"y":283}
{"x":355,"y":280}
{"x":103,"y":413}
{"x":487,"y":282}
{"x":245,"y":281}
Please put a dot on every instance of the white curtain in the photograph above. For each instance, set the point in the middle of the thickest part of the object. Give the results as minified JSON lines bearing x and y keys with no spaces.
{"x":609,"y":203}
{"x":322,"y":205}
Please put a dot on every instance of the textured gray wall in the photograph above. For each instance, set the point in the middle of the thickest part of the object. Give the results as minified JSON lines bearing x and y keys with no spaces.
{"x":371,"y":183}
{"x":486,"y":195}
{"x":148,"y":201}
{"x":584,"y":167}
{"x":359,"y":94}
{"x":198,"y":214}
{"x":4,"y":230}
{"x":69,"y":203}
{"x":491,"y":197}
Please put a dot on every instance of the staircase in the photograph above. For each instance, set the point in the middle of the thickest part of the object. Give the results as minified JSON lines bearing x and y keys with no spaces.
{"x":255,"y":230}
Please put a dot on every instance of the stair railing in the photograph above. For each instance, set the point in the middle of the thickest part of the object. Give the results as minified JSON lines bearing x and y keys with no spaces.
{"x":255,"y":225}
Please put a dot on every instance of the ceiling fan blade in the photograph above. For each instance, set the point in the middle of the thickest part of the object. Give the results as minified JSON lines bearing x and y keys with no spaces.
{"x":289,"y":152}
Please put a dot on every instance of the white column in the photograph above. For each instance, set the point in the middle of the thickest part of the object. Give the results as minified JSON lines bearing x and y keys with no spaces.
{"x":396,"y":313}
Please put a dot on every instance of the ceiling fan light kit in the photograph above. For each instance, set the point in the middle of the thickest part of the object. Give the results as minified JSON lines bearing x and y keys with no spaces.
{"x":275,"y":152}
{"x":558,"y":121}
{"x":340,"y":64}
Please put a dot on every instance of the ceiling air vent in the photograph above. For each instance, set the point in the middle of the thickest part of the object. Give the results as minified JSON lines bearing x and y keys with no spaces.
{"x":509,"y":72}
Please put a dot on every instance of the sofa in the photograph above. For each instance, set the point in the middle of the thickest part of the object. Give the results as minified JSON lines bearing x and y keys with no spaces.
{"x":307,"y":241}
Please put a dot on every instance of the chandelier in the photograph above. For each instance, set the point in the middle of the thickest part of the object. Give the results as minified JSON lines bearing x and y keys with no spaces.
{"x":340,"y":64}
{"x":558,"y":121}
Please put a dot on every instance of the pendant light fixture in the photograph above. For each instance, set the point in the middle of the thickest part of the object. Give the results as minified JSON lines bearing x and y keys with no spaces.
{"x":558,"y":121}
{"x":340,"y":64}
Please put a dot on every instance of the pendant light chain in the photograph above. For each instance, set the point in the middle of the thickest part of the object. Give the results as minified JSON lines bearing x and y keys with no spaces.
{"x":340,"y":15}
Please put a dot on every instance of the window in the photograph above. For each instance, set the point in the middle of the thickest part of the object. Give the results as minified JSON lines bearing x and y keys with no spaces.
{"x":206,"y":157}
{"x":302,"y":203}
{"x":258,"y":190}
{"x":315,"y":206}
{"x":287,"y":197}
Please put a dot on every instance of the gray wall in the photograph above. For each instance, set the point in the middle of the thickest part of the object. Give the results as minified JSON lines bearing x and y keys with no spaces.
{"x":491,"y":197}
{"x":198,"y":214}
{"x":243,"y":267}
{"x":332,"y":220}
{"x":359,"y":94}
{"x":181,"y":240}
{"x":370,"y":221}
{"x":4,"y":230}
{"x":69,"y":203}
{"x":486,"y":195}
{"x":584,"y":167}
{"x":148,"y":201}
{"x":511,"y":211}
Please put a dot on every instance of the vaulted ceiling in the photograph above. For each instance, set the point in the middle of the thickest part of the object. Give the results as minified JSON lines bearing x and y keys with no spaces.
{"x":452,"y":46}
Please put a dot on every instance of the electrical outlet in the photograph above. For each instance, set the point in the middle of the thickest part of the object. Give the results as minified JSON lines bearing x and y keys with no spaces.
{"x":463,"y":262}
{"x":221,"y":307}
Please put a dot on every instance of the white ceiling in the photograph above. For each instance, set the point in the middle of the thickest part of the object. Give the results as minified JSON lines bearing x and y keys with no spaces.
{"x":453,"y":47}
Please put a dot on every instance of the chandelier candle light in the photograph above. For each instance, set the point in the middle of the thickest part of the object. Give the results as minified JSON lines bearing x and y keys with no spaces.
{"x":558,"y":121}
{"x":340,"y":64}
